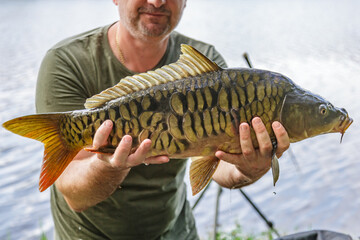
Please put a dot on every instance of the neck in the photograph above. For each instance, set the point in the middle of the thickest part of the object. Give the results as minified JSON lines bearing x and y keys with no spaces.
{"x":138,"y":55}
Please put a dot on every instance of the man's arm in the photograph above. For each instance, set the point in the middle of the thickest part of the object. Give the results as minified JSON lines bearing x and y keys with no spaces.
{"x":238,"y":170}
{"x":91,"y":178}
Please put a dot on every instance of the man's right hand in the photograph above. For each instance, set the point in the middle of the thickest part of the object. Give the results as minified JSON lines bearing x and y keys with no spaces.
{"x":92,"y":177}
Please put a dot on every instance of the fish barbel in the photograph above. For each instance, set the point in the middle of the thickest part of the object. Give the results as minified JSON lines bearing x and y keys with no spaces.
{"x":190,"y":108}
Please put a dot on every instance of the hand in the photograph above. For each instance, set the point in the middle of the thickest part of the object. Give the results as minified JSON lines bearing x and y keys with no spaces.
{"x":254,"y":163}
{"x":91,"y":178}
{"x":121,"y":159}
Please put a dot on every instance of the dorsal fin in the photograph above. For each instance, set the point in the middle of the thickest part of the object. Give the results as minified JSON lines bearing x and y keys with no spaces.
{"x":190,"y":63}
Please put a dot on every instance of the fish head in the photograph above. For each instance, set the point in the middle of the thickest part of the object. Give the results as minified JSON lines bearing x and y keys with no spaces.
{"x":306,"y":115}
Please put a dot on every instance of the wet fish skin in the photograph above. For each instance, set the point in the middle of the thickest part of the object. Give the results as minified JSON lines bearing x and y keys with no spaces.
{"x":306,"y":115}
{"x":187,"y":117}
{"x":190,"y":117}
{"x":192,"y":108}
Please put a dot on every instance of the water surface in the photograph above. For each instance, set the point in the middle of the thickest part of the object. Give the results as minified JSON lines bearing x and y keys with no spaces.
{"x":315,"y":43}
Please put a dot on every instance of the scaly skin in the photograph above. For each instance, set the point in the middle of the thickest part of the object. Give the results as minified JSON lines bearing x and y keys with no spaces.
{"x":188,"y":108}
{"x":192,"y":116}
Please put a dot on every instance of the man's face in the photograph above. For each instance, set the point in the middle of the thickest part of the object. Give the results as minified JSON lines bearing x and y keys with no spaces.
{"x":150,"y":18}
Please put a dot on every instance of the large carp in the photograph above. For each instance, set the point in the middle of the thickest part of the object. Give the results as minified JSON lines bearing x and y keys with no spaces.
{"x":190,"y":108}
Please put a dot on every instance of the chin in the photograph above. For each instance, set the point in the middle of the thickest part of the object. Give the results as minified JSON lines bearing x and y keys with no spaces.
{"x":155,"y":30}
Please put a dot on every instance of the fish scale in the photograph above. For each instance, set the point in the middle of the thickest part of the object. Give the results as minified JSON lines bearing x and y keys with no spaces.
{"x":197,"y":108}
{"x":190,"y":108}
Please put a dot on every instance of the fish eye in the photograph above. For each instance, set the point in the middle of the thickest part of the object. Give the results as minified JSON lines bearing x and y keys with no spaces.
{"x":323,"y":109}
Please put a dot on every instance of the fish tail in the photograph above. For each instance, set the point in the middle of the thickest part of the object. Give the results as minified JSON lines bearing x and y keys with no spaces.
{"x":46,"y":129}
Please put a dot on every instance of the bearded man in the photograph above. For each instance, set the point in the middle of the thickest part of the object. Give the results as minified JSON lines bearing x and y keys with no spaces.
{"x":87,"y":201}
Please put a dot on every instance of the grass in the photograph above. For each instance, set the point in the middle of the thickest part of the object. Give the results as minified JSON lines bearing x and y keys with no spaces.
{"x":238,"y":234}
{"x":43,"y":237}
{"x":235,"y":234}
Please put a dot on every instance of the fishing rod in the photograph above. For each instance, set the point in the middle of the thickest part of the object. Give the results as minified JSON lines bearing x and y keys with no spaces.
{"x":292,"y":155}
{"x":268,"y":223}
{"x":217,"y":204}
{"x":201,"y":196}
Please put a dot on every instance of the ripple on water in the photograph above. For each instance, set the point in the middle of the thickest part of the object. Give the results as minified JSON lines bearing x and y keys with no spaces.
{"x":317,"y":46}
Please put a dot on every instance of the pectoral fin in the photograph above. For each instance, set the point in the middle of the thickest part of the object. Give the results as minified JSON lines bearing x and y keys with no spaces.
{"x":103,"y":149}
{"x":275,"y":167}
{"x":201,"y":171}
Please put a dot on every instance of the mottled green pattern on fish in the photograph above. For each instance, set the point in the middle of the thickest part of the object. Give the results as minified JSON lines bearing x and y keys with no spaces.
{"x":190,"y":108}
{"x":194,"y":116}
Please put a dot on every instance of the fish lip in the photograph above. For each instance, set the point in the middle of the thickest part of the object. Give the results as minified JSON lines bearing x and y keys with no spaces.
{"x":344,"y":124}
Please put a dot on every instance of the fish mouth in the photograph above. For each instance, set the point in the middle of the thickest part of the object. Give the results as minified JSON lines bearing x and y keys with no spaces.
{"x":345,"y":122}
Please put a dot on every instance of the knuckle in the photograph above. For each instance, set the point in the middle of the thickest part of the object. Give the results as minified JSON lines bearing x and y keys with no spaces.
{"x":247,"y":152}
{"x":267,"y":146}
{"x":228,"y":158}
{"x":282,"y":133}
{"x":244,"y":137}
{"x":260,"y":128}
{"x":123,"y":149}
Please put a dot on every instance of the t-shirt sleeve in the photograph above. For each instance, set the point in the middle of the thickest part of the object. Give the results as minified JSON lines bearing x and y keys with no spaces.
{"x":59,"y":85}
{"x":215,"y":56}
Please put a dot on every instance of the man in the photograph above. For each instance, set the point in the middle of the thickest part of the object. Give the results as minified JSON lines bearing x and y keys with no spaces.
{"x":118,"y":196}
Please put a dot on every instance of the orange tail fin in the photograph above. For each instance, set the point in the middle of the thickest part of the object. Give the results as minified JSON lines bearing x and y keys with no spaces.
{"x":45,"y":128}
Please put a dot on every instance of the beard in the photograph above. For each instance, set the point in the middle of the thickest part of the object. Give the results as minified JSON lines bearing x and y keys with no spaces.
{"x":154,"y":29}
{"x":143,"y":24}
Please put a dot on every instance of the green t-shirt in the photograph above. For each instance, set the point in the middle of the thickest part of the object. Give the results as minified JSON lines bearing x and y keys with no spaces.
{"x":152,"y":201}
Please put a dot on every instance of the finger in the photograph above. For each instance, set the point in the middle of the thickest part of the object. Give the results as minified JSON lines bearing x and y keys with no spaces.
{"x":157,"y":160}
{"x":283,"y":141}
{"x":247,"y":147}
{"x":245,"y":144}
{"x":122,"y":152}
{"x":262,"y":136}
{"x":138,"y":157}
{"x":229,"y":157}
{"x":102,"y":134}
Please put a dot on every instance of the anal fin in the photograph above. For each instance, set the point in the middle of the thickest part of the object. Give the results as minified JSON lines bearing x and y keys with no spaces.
{"x":201,"y":172}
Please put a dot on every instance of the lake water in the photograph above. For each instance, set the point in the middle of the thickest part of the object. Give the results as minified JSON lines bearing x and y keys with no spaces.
{"x":315,"y":43}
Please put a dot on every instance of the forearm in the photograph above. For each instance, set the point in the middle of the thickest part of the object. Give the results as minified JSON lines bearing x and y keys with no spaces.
{"x":91,"y":178}
{"x":88,"y":181}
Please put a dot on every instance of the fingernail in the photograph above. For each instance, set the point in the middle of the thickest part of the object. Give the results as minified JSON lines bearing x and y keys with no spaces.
{"x":126,"y":139}
{"x":256,"y":120}
{"x":107,"y":123}
{"x":243,"y":126}
{"x":276,"y":125}
{"x":147,"y":144}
